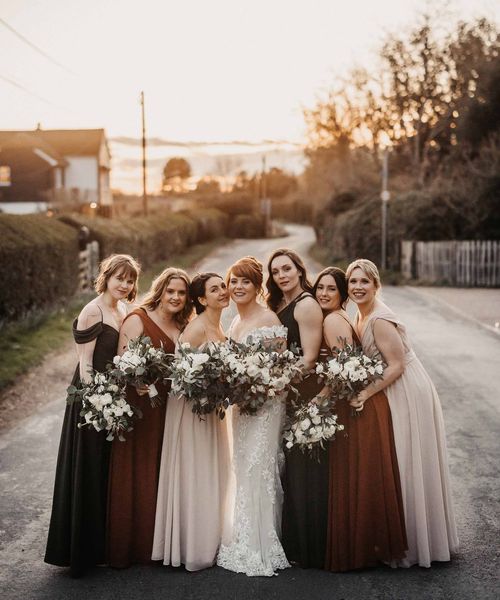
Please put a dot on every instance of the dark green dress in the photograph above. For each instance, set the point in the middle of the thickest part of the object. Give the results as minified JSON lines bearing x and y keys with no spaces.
{"x":305,"y":480}
{"x":77,"y":526}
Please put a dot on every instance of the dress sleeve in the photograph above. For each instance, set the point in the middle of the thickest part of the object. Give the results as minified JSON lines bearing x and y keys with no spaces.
{"x":84,"y":336}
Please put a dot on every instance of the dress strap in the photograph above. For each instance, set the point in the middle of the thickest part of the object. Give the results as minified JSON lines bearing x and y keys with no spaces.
{"x":301,"y":296}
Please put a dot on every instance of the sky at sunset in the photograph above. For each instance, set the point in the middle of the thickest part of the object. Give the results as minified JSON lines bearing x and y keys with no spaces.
{"x":211,"y":70}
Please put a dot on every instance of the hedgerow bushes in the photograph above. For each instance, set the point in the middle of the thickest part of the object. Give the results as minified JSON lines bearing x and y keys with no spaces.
{"x":149,"y":239}
{"x":38,"y":264}
{"x":39,"y":255}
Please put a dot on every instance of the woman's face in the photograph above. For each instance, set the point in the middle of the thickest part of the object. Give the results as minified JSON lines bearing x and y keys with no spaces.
{"x":174,"y":296}
{"x":241,"y":289}
{"x":216,"y":294}
{"x":285,"y":274}
{"x":361,"y":288}
{"x":327,"y":294}
{"x":120,"y":284}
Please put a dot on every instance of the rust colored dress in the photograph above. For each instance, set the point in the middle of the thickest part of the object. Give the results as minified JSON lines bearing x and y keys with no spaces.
{"x":134,"y":471}
{"x":365,"y":509}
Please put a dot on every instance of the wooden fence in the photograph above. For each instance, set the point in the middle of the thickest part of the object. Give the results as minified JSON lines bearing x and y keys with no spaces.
{"x":462,"y":263}
{"x":88,"y":266}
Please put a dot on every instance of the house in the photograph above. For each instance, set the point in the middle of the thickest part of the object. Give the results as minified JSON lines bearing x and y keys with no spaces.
{"x":54,"y":168}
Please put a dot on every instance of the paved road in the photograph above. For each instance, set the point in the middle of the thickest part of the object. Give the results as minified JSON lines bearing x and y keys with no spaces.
{"x":464,"y":361}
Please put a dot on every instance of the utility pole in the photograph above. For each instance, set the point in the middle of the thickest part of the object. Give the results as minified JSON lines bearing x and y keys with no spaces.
{"x":144,"y":192}
{"x":265,"y":202}
{"x":385,"y":196}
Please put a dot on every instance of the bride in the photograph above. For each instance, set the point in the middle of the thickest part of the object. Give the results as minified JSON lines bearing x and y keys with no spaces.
{"x":250,"y":542}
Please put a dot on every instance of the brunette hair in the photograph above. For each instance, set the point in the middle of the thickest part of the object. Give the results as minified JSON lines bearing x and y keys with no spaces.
{"x":153,"y":297}
{"x":340,"y":281}
{"x":368,"y":268}
{"x":198,"y":290}
{"x":121,"y":263}
{"x":250,"y":268}
{"x":275,"y":295}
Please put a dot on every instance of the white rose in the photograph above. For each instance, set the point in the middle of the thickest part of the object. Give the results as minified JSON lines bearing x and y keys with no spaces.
{"x":305,"y":424}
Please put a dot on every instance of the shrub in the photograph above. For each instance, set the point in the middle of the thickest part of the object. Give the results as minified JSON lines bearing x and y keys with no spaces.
{"x":210,"y":223}
{"x":149,"y":239}
{"x":247,"y":226}
{"x":38,"y":264}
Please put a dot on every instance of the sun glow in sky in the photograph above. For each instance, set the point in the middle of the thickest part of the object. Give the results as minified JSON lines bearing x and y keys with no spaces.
{"x":211,"y":70}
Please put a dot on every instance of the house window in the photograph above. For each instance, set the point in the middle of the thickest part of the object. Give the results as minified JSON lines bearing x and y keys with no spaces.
{"x":4,"y":176}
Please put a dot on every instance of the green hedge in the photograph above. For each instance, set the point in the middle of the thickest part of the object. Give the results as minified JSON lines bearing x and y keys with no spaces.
{"x":38,"y":264}
{"x":247,"y":226}
{"x":153,"y":238}
{"x":210,"y":222}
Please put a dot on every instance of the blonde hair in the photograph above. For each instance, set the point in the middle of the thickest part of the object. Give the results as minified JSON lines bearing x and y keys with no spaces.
{"x":153,"y":298}
{"x":368,"y":268}
{"x":118,"y":262}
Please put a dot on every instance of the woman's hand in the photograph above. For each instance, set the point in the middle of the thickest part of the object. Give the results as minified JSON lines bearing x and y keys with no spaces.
{"x":142,"y":390}
{"x":359,"y":402}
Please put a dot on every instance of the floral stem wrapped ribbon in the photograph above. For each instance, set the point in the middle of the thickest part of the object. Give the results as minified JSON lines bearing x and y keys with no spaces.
{"x":348,"y":372}
{"x":104,"y":405}
{"x":143,"y":365}
{"x":311,"y":425}
{"x":196,"y":374}
{"x":256,"y":372}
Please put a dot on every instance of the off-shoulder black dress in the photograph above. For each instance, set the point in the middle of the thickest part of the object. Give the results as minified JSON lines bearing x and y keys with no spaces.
{"x":76,"y":536}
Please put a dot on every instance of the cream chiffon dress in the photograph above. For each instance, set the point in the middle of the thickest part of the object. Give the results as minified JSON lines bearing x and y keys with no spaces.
{"x":420,"y":441}
{"x":192,"y":487}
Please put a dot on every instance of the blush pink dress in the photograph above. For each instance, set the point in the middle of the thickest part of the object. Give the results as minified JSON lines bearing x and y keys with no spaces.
{"x":420,"y":441}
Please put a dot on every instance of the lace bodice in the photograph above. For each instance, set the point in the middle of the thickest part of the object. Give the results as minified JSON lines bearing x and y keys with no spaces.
{"x":266,"y":333}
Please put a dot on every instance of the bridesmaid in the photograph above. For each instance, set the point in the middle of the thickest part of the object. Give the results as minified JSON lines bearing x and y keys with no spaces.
{"x":77,"y":525}
{"x":305,"y":480}
{"x":135,"y":463}
{"x":417,"y":420}
{"x":365,"y":509}
{"x":195,"y":455}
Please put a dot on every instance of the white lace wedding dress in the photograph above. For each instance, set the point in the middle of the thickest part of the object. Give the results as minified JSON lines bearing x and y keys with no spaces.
{"x":251,"y":540}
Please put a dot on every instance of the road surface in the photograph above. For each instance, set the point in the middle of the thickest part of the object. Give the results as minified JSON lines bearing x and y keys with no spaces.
{"x":464,"y":361}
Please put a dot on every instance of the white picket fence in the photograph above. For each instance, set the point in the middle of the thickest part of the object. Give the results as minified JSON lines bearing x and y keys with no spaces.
{"x":462,"y":263}
{"x":88,"y":266}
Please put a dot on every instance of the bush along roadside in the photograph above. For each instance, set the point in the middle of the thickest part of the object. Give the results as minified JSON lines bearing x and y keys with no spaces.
{"x":27,"y":342}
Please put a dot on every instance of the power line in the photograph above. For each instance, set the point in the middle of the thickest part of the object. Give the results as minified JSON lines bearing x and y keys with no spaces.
{"x":34,"y":47}
{"x":27,"y":91}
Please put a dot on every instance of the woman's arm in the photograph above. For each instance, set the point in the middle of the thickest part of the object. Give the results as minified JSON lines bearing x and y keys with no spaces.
{"x":194,"y":334}
{"x":89,"y":316}
{"x":309,"y":317}
{"x":336,"y":329}
{"x":130,"y":329}
{"x":390,"y":345}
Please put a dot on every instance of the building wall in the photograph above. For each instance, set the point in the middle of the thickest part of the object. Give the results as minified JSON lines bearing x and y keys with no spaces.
{"x":82,"y":173}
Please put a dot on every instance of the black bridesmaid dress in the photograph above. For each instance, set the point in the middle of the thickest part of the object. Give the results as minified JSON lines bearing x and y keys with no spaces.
{"x":76,"y":536}
{"x":305,"y":479}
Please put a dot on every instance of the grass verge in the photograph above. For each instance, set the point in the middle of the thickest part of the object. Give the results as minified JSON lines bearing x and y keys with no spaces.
{"x":26,"y":343}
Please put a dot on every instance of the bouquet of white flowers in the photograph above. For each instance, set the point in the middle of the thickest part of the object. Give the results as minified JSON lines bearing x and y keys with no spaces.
{"x":312,"y":425}
{"x":197,"y":375}
{"x":255,"y":372}
{"x":104,"y":405}
{"x":142,"y":364}
{"x":348,"y":372}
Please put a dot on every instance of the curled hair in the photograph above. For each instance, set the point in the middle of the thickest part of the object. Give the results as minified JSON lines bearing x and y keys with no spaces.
{"x":340,"y":281}
{"x":249,"y":268}
{"x":118,"y":263}
{"x":153,"y":297}
{"x":275,"y":295}
{"x":368,"y":268}
{"x":198,"y":290}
